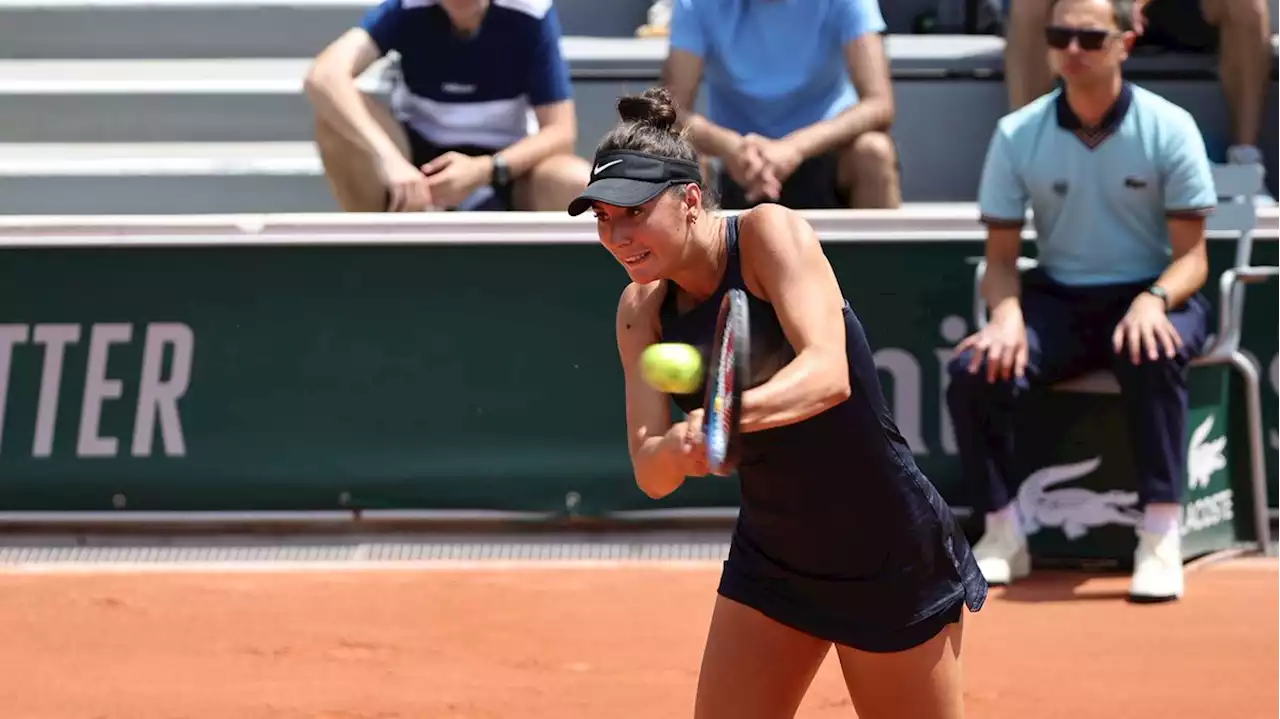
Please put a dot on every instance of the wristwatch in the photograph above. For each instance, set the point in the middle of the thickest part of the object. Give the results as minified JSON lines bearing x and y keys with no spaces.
{"x":1160,"y":292}
{"x":501,"y":172}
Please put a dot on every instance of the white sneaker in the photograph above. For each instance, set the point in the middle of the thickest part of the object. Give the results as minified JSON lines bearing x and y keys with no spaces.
{"x":1002,"y":553}
{"x":1157,"y":567}
{"x":1250,"y":155}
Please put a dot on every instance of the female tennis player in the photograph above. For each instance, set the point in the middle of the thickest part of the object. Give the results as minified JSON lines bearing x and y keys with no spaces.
{"x":840,"y":538}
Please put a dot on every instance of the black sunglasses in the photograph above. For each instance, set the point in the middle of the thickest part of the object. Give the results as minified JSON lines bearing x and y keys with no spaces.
{"x":1059,"y":38}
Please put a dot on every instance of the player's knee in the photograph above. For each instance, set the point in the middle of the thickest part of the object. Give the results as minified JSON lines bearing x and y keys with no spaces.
{"x":1161,"y":370}
{"x":553,"y":183}
{"x":965,"y":385}
{"x":958,"y":367}
{"x":960,"y":380}
{"x":327,"y":138}
{"x":564,"y":169}
{"x":872,"y":154}
{"x":1237,"y":17}
{"x":1027,"y":15}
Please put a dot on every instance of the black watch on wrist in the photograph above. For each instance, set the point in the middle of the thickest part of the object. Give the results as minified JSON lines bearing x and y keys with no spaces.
{"x":1159,"y":291}
{"x":501,"y":172}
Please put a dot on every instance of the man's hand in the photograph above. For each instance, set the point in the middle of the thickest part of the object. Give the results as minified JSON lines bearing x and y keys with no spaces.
{"x":453,"y":176}
{"x":1146,"y":326}
{"x":1138,"y":16}
{"x":743,"y":162}
{"x":780,"y":156}
{"x":1003,"y":343}
{"x":778,"y":160}
{"x":409,"y":189}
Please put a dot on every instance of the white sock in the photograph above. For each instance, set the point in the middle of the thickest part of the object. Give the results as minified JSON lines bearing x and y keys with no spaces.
{"x":1007,"y":515}
{"x":1161,"y":518}
{"x":1244,"y":155}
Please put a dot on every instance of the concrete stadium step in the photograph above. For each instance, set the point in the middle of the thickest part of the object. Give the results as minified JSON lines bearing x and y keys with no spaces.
{"x":228,"y":28}
{"x":228,"y":100}
{"x":260,"y":99}
{"x":237,"y":99}
{"x":162,"y":178}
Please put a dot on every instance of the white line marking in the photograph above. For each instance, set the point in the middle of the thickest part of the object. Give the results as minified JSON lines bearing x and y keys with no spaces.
{"x":1240,"y":564}
{"x":290,"y":567}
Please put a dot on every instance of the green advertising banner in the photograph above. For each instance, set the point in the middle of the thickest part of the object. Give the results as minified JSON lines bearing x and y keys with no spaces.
{"x":1079,"y":498}
{"x":400,"y":376}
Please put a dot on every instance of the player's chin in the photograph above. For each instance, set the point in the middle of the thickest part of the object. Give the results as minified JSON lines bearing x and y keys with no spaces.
{"x":1074,"y":70}
{"x":642,"y":271}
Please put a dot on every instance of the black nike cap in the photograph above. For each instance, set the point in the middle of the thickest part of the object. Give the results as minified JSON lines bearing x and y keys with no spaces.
{"x":630,"y":179}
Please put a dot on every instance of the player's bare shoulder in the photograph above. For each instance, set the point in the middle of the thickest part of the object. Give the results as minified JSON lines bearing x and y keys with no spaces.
{"x":771,"y":237}
{"x":772,"y":224}
{"x":638,"y":307}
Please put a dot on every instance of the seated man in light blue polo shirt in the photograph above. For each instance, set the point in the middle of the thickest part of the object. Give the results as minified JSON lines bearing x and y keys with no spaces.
{"x":1119,"y":184}
{"x":799,"y":99}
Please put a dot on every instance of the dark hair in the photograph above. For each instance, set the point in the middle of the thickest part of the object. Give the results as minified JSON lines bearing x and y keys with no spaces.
{"x":1121,"y":12}
{"x":648,"y":125}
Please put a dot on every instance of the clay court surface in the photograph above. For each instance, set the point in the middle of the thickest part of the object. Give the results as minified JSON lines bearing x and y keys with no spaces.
{"x":555,"y":641}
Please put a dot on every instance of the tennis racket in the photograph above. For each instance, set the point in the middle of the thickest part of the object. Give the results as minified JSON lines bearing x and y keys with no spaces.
{"x":727,"y":371}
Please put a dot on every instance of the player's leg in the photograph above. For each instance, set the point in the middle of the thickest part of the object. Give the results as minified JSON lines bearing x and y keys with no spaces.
{"x":352,"y":174}
{"x":924,"y":682}
{"x":754,"y":667}
{"x":869,"y":172}
{"x":1156,"y":401}
{"x":982,"y":414}
{"x":552,"y":184}
{"x":1026,"y":54}
{"x":1244,"y":63}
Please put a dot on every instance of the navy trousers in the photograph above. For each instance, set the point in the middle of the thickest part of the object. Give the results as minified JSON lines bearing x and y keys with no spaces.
{"x":1069,"y":334}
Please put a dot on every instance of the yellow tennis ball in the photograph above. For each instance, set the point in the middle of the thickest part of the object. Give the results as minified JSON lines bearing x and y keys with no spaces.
{"x":672,"y":367}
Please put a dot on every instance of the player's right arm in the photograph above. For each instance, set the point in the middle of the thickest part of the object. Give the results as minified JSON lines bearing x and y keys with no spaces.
{"x":331,"y":87}
{"x":660,"y":456}
{"x":1002,"y":198}
{"x":682,"y":75}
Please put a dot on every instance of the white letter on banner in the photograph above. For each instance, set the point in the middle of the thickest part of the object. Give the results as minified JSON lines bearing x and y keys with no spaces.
{"x":98,"y":389}
{"x":10,"y":335}
{"x":160,"y":397}
{"x":55,"y":339}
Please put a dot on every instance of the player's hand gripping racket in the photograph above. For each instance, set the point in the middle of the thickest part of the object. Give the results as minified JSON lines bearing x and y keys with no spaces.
{"x":726,"y":373}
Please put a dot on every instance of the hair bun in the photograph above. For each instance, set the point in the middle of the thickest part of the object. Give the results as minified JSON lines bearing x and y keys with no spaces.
{"x":654,"y":108}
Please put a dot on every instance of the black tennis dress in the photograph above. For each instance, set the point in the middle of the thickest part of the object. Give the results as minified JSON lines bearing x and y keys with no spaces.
{"x":839,"y":533}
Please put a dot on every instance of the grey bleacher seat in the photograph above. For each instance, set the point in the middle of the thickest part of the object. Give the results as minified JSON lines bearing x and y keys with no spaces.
{"x":70,"y":104}
{"x":161,"y":29}
{"x":49,"y":29}
{"x":162,"y":178}
{"x":229,"y":100}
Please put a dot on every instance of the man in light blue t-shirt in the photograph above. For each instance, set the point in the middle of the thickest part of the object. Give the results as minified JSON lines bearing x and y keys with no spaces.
{"x":799,"y":99}
{"x":1119,"y":184}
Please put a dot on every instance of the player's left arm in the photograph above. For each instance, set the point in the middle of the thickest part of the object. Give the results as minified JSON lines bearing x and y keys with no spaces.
{"x":861,"y":25}
{"x":783,"y":263}
{"x":551,"y":94}
{"x":1189,"y":197}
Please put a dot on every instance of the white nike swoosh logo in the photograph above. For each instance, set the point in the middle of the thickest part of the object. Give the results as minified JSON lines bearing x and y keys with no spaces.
{"x":601,"y":168}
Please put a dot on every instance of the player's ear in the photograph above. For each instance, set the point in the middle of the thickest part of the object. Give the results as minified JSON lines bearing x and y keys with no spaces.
{"x":1127,"y":39}
{"x":692,"y":200}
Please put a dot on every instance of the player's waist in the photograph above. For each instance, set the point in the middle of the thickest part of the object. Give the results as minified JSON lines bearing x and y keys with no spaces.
{"x":774,"y":117}
{"x":496,"y":123}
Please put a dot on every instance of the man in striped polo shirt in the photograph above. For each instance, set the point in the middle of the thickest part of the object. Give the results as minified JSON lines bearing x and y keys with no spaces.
{"x":481,"y":117}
